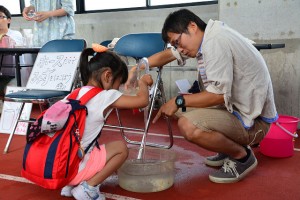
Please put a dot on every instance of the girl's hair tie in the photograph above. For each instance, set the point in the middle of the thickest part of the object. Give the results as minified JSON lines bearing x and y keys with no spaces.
{"x":99,"y":48}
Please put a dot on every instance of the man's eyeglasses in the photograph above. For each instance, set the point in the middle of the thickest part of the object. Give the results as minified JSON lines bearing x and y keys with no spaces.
{"x":177,"y":41}
{"x":3,"y":17}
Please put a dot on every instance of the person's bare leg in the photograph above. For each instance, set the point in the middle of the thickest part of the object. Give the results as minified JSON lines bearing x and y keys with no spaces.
{"x":213,"y":141}
{"x":117,"y":153}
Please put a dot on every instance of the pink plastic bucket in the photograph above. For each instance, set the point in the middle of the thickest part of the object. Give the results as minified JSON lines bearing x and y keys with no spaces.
{"x":279,"y":142}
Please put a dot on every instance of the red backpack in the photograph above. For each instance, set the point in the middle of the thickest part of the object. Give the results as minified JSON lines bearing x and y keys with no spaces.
{"x":51,"y":160}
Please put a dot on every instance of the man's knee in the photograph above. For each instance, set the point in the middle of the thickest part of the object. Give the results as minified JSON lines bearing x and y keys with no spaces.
{"x":187,"y":129}
{"x":182,"y":124}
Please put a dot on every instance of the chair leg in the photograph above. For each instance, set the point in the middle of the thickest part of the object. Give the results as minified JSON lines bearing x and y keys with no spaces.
{"x":158,"y":87}
{"x":14,"y":129}
{"x":164,"y":100}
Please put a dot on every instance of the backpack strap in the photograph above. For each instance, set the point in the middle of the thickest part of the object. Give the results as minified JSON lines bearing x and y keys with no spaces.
{"x":74,"y":94}
{"x":86,"y":97}
{"x":94,"y":141}
{"x":90,"y":94}
{"x":83,"y":100}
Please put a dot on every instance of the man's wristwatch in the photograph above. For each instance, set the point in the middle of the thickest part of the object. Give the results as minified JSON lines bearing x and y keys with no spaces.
{"x":180,"y":102}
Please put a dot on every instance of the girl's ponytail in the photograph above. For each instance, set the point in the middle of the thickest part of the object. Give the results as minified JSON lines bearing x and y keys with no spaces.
{"x":85,"y":71}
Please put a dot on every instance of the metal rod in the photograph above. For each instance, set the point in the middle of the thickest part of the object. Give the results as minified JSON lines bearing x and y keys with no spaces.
{"x":13,"y":132}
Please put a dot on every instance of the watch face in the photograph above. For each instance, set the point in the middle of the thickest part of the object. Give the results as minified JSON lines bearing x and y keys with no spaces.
{"x":179,"y":102}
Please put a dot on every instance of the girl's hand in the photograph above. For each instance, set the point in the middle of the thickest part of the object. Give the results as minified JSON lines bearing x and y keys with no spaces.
{"x":147,"y":79}
{"x":132,"y":79}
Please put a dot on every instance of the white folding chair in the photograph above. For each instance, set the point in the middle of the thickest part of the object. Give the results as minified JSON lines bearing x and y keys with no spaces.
{"x":138,"y":46}
{"x":53,"y":76}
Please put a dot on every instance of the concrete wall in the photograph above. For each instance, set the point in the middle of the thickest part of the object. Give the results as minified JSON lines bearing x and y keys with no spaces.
{"x":97,"y":27}
{"x":275,"y":21}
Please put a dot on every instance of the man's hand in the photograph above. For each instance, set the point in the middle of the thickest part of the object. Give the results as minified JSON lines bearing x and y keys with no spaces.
{"x":168,"y":109}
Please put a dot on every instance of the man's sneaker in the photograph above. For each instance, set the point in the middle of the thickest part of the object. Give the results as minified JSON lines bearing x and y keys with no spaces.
{"x":66,"y":191}
{"x":216,"y":160}
{"x":233,"y":170}
{"x":85,"y":192}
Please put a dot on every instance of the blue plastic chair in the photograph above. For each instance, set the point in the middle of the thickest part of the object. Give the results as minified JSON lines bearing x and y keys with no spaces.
{"x":41,"y":96}
{"x":106,"y":42}
{"x":138,"y":46}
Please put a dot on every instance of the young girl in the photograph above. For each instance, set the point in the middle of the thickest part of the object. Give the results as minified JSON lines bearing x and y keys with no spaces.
{"x":105,"y":70}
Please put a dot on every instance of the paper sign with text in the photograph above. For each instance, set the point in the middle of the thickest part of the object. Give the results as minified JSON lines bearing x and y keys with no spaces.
{"x":10,"y":113}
